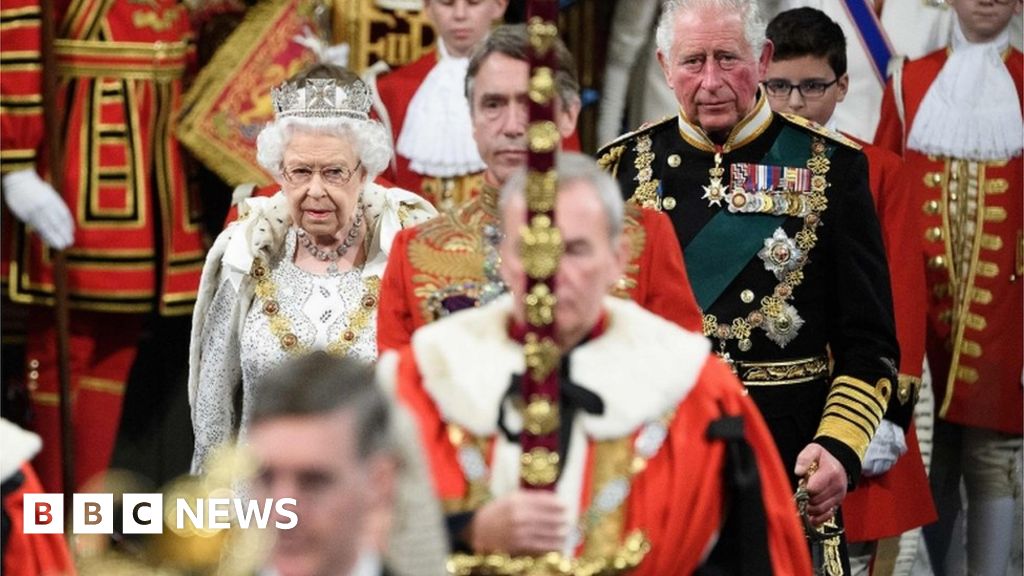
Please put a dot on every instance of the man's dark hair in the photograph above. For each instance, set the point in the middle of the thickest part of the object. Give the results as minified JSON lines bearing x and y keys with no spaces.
{"x":808,"y":32}
{"x":317,"y":384}
{"x":514,"y":41}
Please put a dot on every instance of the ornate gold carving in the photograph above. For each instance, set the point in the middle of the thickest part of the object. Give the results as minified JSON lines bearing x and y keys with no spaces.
{"x":543,"y":136}
{"x":542,"y":34}
{"x":542,"y":85}
{"x":541,"y":416}
{"x":375,"y":33}
{"x":782,"y":372}
{"x":541,"y":248}
{"x":540,"y":305}
{"x":542,"y":356}
{"x":538,"y":467}
{"x":627,"y":557}
{"x":541,"y":188}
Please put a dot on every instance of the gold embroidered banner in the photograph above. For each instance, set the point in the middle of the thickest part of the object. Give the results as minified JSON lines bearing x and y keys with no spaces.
{"x":229,"y":102}
{"x":393,"y":31}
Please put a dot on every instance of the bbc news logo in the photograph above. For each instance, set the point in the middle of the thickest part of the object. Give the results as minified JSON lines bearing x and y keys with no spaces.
{"x":145,"y":513}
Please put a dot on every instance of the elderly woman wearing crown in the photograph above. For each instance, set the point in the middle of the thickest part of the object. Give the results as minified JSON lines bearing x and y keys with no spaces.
{"x":300,"y":270}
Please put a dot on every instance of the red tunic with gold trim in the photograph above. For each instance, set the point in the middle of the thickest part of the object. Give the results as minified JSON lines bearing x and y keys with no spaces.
{"x":137,"y":245}
{"x":120,"y":65}
{"x":903,"y":490}
{"x":456,"y":373}
{"x":451,"y":263}
{"x":396,"y":90}
{"x":972,"y":249}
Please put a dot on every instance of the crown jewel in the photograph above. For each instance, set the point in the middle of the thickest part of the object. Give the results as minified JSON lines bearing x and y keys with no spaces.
{"x":322,"y":98}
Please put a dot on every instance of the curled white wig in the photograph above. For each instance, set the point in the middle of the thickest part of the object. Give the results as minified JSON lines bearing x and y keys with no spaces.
{"x":368,"y":137}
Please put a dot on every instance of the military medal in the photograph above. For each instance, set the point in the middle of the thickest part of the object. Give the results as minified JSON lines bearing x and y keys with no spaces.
{"x":781,"y":254}
{"x":714,"y":192}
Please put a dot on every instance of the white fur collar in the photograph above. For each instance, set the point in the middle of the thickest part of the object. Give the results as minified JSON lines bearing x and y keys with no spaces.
{"x":263,"y":222}
{"x":642,"y":366}
{"x":19,"y":447}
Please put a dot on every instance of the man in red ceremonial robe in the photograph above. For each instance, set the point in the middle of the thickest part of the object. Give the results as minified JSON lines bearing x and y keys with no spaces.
{"x":132,"y":233}
{"x":955,"y":117}
{"x":451,"y":262}
{"x":646,"y":471}
{"x":809,"y":77}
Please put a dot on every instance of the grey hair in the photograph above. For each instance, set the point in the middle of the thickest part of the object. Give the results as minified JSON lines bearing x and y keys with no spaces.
{"x":753,"y":24}
{"x":513,"y":40}
{"x":369,"y":137}
{"x":573,"y":167}
{"x":318,"y":384}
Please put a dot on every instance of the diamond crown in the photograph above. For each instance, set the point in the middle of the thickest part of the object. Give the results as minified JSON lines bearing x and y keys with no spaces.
{"x":322,"y":98}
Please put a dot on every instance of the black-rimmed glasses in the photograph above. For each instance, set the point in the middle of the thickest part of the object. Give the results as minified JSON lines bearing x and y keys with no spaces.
{"x":809,"y":89}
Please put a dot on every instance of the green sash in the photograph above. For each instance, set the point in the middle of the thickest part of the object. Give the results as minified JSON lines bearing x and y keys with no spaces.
{"x":728,"y":241}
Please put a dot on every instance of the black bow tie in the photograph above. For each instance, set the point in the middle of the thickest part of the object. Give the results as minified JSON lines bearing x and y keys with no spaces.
{"x":573,"y":398}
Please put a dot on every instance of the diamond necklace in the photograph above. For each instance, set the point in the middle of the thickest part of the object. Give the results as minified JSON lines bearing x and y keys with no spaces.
{"x":336,"y":254}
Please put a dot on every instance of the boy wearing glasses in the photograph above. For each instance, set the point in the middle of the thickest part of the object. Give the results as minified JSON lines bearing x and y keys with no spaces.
{"x":955,"y":116}
{"x":808,"y":77}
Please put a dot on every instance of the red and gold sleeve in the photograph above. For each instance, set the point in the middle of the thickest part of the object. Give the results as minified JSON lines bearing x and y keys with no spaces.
{"x":656,"y":276}
{"x":395,"y":319}
{"x":21,"y":101}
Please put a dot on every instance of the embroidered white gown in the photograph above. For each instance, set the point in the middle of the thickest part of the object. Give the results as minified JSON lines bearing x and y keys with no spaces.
{"x":238,"y":335}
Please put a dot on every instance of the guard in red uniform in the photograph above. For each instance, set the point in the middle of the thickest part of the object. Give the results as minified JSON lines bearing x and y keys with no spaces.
{"x":133,"y":232}
{"x":955,"y":116}
{"x":808,"y":77}
{"x":451,"y":262}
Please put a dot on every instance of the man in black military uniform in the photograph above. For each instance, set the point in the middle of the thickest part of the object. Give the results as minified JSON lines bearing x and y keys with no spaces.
{"x":782,"y":247}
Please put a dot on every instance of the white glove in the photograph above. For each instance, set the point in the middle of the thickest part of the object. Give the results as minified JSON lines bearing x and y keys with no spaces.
{"x":884,"y":450}
{"x":36,"y":203}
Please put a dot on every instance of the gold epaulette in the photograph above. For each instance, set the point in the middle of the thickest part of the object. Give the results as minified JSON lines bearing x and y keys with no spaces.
{"x":820,"y":130}
{"x":609,"y":153}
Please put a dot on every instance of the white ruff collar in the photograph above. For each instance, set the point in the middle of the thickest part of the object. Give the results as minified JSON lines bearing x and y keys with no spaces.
{"x":641,"y":366}
{"x":972,"y":109}
{"x":437,"y":136}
